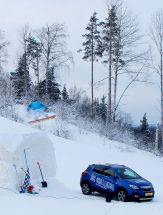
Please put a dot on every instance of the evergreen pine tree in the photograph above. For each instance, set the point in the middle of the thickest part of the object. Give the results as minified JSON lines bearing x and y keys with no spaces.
{"x":65,"y":95}
{"x":53,"y":87}
{"x":109,"y":35}
{"x":110,"y":32}
{"x":53,"y":90}
{"x":93,"y":43}
{"x":144,"y":124}
{"x":34,"y":48}
{"x":21,"y":81}
{"x":85,"y":108}
{"x":34,"y":51}
{"x":96,"y":109}
{"x":144,"y":129}
{"x":103,"y":109}
{"x":92,"y":48}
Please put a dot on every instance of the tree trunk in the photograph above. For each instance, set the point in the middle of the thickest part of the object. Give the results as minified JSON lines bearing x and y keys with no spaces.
{"x":109,"y":112}
{"x":116,"y":78}
{"x":38,"y":75}
{"x":25,"y":68}
{"x":92,"y":81}
{"x":161,"y":72}
{"x":47,"y":63}
{"x":115,"y":94}
{"x":157,"y":139}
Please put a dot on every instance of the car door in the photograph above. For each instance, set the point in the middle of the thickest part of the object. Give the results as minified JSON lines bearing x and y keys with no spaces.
{"x":103,"y":179}
{"x":96,"y":179}
{"x":109,"y":179}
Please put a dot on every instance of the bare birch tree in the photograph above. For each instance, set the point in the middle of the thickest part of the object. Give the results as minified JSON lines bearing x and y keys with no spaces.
{"x":128,"y":57}
{"x":54,"y":48}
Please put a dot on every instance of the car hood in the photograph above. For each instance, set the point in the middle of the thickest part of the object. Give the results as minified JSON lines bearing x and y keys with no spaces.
{"x":139,"y":181}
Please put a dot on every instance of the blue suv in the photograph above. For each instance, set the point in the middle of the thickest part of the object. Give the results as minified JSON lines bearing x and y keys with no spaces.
{"x":116,"y":180}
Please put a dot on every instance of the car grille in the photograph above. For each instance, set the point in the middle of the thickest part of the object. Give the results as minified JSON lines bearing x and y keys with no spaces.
{"x":146,"y":188}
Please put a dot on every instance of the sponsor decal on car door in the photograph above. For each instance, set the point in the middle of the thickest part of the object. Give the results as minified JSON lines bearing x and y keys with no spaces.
{"x":100,"y":181}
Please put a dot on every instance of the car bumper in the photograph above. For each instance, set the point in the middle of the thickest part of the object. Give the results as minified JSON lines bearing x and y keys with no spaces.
{"x":142,"y":196}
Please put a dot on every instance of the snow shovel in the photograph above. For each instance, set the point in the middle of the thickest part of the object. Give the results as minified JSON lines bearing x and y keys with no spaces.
{"x":43,"y":182}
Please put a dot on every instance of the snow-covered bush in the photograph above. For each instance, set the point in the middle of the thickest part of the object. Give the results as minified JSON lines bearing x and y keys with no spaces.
{"x":68,"y":114}
{"x":7,"y":103}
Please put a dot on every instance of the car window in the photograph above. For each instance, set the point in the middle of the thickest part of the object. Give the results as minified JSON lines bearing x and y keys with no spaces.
{"x":98,"y":170}
{"x":109,"y":172}
{"x":127,"y":173}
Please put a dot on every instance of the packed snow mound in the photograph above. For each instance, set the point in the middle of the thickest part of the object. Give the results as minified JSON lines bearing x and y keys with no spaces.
{"x":5,"y":156}
{"x":14,"y":139}
{"x":38,"y":148}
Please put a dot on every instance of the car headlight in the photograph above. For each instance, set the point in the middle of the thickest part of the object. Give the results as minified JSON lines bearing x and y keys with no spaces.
{"x":134,"y":187}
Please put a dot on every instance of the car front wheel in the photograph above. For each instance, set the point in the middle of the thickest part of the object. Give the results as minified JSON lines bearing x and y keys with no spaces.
{"x":122,"y":196}
{"x":86,"y":189}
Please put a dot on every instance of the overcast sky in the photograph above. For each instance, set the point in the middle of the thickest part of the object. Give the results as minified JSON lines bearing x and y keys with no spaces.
{"x":76,"y":14}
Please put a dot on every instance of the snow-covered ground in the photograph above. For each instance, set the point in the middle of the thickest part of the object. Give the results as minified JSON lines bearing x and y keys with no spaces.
{"x":63,"y":195}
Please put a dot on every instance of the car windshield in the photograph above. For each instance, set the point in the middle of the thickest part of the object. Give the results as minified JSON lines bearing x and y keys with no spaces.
{"x":127,"y":173}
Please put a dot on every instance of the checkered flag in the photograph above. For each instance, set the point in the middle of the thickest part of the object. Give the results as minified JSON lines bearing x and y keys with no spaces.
{"x":27,"y":181}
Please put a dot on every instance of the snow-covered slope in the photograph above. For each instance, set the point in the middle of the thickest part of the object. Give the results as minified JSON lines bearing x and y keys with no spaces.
{"x":63,"y":195}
